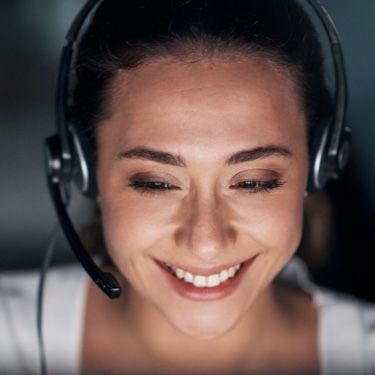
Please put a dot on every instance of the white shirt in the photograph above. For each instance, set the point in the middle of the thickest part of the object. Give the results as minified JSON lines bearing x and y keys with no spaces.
{"x":63,"y":315}
{"x":346,"y":326}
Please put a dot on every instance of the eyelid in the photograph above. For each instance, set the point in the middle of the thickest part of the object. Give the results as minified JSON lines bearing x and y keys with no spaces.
{"x":151,"y":188}
{"x":155,"y":177}
{"x":153,"y":185}
{"x":257,"y":186}
{"x":251,"y":181}
{"x":255,"y":175}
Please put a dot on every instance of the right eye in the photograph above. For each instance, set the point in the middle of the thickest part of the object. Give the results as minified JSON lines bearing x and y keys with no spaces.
{"x":153,"y":187}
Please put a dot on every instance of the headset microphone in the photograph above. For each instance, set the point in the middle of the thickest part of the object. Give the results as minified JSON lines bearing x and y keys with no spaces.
{"x":59,"y":192}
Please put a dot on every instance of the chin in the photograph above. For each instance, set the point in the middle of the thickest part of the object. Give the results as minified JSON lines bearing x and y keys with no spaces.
{"x":204,"y":325}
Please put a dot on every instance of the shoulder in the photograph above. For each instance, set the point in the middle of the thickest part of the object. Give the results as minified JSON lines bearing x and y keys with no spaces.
{"x":18,"y":289}
{"x":346,"y":332}
{"x":63,"y":291}
{"x":346,"y":325}
{"x":18,"y":340}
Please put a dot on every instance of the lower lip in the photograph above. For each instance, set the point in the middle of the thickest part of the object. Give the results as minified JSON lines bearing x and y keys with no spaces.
{"x":188,"y":290}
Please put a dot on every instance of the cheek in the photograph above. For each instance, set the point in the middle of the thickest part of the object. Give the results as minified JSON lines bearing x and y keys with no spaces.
{"x":135,"y":226}
{"x":286,"y":224}
{"x":272,"y":231}
{"x":274,"y":224}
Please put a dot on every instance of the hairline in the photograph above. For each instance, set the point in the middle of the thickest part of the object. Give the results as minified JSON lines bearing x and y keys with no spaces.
{"x":288,"y":70}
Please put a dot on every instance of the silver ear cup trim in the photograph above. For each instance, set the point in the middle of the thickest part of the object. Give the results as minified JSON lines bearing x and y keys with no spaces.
{"x":82,"y":174}
{"x":320,"y":175}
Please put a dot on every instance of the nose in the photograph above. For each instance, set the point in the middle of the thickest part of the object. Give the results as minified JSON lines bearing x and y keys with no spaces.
{"x":206,"y":230}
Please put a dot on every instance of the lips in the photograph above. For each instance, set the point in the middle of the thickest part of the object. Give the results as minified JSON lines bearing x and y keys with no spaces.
{"x":205,"y":285}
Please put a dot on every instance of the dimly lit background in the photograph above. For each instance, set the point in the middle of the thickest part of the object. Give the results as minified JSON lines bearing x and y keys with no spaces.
{"x":31,"y":36}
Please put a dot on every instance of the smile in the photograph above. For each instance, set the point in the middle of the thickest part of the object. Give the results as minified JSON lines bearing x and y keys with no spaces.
{"x":204,"y":284}
{"x":201,"y":281}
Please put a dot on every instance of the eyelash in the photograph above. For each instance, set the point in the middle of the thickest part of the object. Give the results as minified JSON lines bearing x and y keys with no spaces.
{"x":252,"y":187}
{"x":152,"y":187}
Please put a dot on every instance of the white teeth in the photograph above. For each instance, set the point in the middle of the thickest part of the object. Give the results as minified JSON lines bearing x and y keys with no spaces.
{"x":200,"y":281}
{"x":180,"y":273}
{"x":213,"y":280}
{"x":231,"y":271}
{"x":224,"y":276}
{"x":204,"y":281}
{"x":188,"y":277}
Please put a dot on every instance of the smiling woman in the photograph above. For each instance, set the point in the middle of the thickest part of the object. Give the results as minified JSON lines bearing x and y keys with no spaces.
{"x":190,"y":208}
{"x":196,"y":123}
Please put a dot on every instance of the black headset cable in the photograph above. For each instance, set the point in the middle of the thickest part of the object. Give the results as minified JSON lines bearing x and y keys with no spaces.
{"x":42,"y":277}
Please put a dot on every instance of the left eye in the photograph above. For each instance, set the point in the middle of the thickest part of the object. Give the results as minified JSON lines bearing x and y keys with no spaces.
{"x":258,"y":186}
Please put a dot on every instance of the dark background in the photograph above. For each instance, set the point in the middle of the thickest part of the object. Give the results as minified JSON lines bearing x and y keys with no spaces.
{"x":32,"y":33}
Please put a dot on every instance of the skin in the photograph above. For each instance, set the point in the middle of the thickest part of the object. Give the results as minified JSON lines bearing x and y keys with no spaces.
{"x":204,"y":115}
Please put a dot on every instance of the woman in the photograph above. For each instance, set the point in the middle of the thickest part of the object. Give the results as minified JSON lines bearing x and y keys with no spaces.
{"x":199,"y":118}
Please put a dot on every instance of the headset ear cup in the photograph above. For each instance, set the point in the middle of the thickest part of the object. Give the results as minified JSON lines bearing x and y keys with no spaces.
{"x":84,"y":166}
{"x":318,"y":173}
{"x":345,"y":149}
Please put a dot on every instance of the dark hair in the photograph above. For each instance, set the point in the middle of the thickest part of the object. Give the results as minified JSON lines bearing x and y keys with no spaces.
{"x":126,"y":33}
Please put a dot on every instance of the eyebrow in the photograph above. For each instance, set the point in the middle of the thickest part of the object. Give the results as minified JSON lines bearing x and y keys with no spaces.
{"x":178,"y":161}
{"x":153,"y":155}
{"x":258,"y":153}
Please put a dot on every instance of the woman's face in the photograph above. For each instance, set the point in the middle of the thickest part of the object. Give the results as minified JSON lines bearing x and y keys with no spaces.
{"x":202,"y":170}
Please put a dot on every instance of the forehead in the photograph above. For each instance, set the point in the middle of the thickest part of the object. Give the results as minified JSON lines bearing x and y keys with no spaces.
{"x":204,"y":101}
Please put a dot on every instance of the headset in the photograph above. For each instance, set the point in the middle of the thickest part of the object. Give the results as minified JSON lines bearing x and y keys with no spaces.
{"x":67,"y":161}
